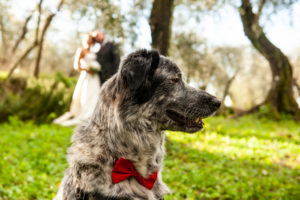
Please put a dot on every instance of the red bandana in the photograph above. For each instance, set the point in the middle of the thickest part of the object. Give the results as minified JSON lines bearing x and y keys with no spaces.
{"x":125,"y":169}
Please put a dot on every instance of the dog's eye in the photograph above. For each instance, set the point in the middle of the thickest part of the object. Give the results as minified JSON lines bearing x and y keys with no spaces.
{"x":175,"y":80}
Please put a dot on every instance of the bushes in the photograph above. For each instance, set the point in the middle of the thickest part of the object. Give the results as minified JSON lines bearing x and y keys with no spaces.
{"x":39,"y":100}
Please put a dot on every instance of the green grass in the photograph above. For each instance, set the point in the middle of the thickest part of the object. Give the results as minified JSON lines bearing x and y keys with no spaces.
{"x":231,"y":159}
{"x":32,"y":159}
{"x":244,"y":159}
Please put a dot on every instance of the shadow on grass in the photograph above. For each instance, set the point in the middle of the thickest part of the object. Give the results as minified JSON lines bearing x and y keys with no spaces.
{"x":194,"y":174}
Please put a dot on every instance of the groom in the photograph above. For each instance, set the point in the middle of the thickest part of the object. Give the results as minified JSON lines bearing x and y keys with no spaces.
{"x":108,"y":56}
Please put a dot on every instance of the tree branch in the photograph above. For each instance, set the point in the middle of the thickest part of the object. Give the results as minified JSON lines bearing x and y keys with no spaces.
{"x":60,"y":5}
{"x":228,"y":84}
{"x":296,"y":84}
{"x":24,"y":55}
{"x":260,"y":8}
{"x":23,"y":34}
{"x":3,"y":32}
{"x":38,"y":21}
{"x":41,"y":40}
{"x":3,"y":58}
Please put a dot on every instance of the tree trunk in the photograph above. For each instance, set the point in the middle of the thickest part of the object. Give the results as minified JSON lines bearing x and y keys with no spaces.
{"x":161,"y":24}
{"x":296,"y":85}
{"x":226,"y":91}
{"x":40,"y":47}
{"x":39,"y":6}
{"x":280,"y":96}
{"x":41,"y":40}
{"x":227,"y":87}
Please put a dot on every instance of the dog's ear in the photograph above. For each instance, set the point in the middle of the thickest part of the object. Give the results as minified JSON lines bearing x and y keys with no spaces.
{"x":137,"y":72}
{"x":139,"y":67}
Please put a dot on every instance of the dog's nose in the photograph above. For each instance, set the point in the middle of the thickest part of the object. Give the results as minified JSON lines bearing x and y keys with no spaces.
{"x":215,"y":103}
{"x":209,"y":100}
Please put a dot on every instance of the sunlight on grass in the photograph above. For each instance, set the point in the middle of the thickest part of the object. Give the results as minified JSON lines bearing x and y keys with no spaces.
{"x":254,"y":148}
{"x":244,"y":159}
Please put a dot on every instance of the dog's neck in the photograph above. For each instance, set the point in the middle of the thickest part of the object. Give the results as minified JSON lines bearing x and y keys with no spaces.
{"x":136,"y":139}
{"x":138,"y":142}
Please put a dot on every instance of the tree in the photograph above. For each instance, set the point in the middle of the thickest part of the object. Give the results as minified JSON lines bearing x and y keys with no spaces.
{"x":104,"y":14}
{"x":40,"y":40}
{"x":186,"y":51}
{"x":230,"y":60}
{"x":23,"y":34}
{"x":161,"y":24}
{"x":280,"y":97}
{"x":4,"y":32}
{"x":191,"y":53}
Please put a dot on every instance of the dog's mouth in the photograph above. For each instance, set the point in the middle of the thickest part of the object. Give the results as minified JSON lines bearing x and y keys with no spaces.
{"x":185,"y":121}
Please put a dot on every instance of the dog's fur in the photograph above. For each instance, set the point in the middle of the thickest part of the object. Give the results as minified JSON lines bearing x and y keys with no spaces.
{"x":144,"y":98}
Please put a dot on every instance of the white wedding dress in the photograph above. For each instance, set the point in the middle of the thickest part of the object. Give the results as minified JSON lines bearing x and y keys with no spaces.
{"x":85,"y":96}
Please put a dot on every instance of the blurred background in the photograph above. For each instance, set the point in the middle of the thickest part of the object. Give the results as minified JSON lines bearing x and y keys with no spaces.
{"x":246,"y":52}
{"x":206,"y":39}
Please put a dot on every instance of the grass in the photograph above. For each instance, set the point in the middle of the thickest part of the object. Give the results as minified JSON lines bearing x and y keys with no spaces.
{"x":32,"y":159}
{"x":244,"y":159}
{"x":231,"y":159}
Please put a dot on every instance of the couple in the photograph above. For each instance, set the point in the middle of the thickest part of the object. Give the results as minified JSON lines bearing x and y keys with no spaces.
{"x":95,"y":68}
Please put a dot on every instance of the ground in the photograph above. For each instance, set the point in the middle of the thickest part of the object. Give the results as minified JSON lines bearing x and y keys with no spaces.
{"x":247,"y":158}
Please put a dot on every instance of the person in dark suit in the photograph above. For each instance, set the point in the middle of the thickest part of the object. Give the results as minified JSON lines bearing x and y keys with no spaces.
{"x":108,"y":56}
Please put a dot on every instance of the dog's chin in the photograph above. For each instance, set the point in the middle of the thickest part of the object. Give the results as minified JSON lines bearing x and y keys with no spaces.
{"x":185,"y":129}
{"x":185,"y":124}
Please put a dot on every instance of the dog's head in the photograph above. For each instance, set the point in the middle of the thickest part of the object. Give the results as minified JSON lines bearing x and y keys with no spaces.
{"x":154,"y":83}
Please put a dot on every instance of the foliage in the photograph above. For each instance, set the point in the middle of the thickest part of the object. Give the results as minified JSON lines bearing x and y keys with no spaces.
{"x":190,"y":52}
{"x":231,"y":159}
{"x":41,"y":100}
{"x":105,"y":14}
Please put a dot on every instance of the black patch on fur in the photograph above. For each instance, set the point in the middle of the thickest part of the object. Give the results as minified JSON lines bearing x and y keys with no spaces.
{"x":135,"y":150}
{"x":87,"y":168}
{"x":137,"y":73}
{"x":124,"y":144}
{"x":158,"y":159}
{"x":102,"y":160}
{"x":140,"y":197}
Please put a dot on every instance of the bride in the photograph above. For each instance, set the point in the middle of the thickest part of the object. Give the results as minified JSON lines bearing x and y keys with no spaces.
{"x":87,"y":89}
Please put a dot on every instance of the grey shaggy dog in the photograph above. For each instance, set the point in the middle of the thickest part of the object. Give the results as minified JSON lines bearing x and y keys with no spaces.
{"x":145,"y":97}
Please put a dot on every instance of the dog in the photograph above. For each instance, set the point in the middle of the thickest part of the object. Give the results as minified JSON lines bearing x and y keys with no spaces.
{"x":143,"y":99}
